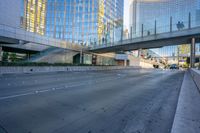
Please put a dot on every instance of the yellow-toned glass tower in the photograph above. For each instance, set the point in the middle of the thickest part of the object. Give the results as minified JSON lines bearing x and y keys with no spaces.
{"x":34,"y":16}
{"x":90,"y":22}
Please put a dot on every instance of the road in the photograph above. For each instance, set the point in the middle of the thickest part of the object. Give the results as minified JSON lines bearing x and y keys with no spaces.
{"x":118,"y":101}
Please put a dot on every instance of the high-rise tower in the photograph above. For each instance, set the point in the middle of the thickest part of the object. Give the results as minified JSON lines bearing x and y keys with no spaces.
{"x":34,"y":19}
{"x":85,"y":21}
{"x":146,"y":12}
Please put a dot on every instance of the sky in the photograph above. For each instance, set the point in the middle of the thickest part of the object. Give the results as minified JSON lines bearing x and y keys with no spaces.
{"x":126,"y":13}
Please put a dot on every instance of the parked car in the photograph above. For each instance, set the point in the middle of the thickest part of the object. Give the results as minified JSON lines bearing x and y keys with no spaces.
{"x":174,"y":66}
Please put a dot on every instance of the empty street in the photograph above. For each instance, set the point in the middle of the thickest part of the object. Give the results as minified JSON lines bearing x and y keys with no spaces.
{"x":117,"y":101}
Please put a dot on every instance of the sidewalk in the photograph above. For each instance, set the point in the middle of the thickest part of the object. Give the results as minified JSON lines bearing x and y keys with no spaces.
{"x":187,"y":117}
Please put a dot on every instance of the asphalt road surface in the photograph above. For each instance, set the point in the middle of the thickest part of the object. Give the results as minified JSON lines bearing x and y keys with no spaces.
{"x":118,"y":101}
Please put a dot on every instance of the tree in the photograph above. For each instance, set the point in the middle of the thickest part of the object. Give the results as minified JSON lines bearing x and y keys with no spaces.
{"x":13,"y":57}
{"x":5,"y":57}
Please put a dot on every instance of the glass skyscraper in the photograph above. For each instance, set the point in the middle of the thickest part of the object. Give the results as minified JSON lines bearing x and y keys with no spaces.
{"x":87,"y":22}
{"x":34,"y":17}
{"x":146,"y":12}
{"x":84,"y":21}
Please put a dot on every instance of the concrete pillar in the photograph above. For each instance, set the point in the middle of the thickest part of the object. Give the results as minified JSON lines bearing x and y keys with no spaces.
{"x":178,"y":53}
{"x":139,"y":52}
{"x":125,"y":62}
{"x":192,"y":53}
{"x":28,"y":56}
{"x":1,"y":53}
{"x":81,"y":57}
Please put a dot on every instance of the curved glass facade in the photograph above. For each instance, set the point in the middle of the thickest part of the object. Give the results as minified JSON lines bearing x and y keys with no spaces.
{"x":71,"y":20}
{"x":84,"y":21}
{"x":87,"y":22}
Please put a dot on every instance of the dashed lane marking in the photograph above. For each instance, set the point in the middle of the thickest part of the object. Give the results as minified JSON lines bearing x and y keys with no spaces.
{"x":13,"y":96}
{"x":52,"y":89}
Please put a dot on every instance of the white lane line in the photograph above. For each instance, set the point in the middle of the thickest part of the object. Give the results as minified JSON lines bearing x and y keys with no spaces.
{"x":41,"y":91}
{"x":13,"y":96}
{"x":53,"y":89}
{"x":35,"y":92}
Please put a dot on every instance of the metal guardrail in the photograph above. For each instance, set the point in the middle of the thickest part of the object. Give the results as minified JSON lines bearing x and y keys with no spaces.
{"x":23,"y":35}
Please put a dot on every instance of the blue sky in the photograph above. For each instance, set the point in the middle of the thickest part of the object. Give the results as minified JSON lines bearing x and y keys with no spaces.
{"x":126,"y":13}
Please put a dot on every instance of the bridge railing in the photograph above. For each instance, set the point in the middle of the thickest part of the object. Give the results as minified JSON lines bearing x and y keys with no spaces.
{"x":23,"y":35}
{"x":142,"y":31}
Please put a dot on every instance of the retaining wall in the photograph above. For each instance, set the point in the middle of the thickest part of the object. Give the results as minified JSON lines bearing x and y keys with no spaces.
{"x":20,"y":69}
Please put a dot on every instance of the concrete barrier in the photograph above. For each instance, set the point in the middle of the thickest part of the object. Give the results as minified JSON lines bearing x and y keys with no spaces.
{"x":196,"y":76}
{"x":40,"y":69}
{"x":146,"y":65}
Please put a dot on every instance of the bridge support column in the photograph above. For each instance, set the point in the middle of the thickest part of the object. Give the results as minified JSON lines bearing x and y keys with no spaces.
{"x":28,"y":56}
{"x":125,"y":62}
{"x":81,"y":57}
{"x":178,"y":53}
{"x":192,"y":53}
{"x":139,"y":52}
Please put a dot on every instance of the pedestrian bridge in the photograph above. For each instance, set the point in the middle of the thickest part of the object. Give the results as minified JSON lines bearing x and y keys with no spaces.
{"x":12,"y":35}
{"x":151,"y":41}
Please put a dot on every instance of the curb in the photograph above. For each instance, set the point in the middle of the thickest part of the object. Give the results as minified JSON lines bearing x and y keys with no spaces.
{"x":187,"y":116}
